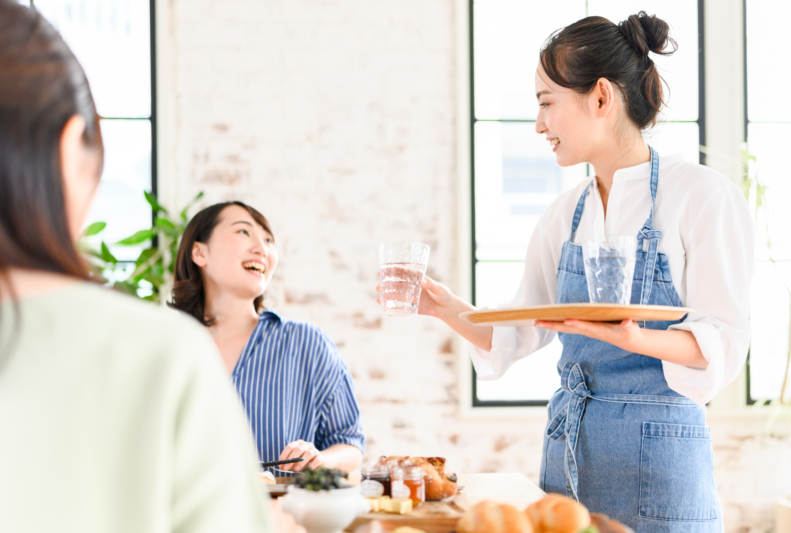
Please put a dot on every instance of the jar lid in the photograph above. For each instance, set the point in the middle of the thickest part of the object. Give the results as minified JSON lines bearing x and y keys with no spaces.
{"x":414,"y":472}
{"x":376,"y":470}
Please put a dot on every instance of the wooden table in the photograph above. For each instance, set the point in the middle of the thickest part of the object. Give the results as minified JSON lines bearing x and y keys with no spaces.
{"x":441,"y":517}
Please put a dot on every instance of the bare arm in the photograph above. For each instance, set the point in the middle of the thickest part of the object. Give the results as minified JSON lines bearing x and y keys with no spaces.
{"x":343,"y":457}
{"x":673,"y":346}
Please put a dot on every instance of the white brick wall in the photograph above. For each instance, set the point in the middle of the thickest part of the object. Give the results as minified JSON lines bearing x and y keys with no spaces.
{"x":336,"y":119}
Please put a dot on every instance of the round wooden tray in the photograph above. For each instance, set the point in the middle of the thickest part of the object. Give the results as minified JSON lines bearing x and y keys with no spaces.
{"x":526,"y":316}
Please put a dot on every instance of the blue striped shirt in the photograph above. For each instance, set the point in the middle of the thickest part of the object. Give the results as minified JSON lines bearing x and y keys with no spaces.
{"x":294,"y":385}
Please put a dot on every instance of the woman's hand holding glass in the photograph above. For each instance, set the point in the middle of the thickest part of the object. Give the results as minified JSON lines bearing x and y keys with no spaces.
{"x":438,"y":301}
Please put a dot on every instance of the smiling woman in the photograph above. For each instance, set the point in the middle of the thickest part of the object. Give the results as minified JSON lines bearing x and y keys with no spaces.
{"x":189,"y":287}
{"x":297,"y":391}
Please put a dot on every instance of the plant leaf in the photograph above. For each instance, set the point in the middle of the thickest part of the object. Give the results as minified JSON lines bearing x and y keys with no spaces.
{"x":154,"y":203}
{"x":94,"y":229}
{"x":190,"y":204}
{"x":106,"y":255}
{"x":137,"y":238}
{"x":166,"y":226}
{"x":144,"y":256}
{"x":165,"y":223}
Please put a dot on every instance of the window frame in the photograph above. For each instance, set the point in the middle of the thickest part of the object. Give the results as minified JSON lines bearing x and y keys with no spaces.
{"x":152,"y":118}
{"x":476,"y":403}
{"x":748,"y":399}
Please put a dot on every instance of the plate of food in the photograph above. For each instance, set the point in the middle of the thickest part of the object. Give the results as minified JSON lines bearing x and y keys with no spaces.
{"x":527,"y":316}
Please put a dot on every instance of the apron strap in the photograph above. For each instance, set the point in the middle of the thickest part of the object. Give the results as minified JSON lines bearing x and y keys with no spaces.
{"x":575,"y":222}
{"x":567,"y":422}
{"x":648,"y":237}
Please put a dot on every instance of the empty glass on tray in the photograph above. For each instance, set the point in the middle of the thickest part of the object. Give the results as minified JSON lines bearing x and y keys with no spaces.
{"x":609,"y":268}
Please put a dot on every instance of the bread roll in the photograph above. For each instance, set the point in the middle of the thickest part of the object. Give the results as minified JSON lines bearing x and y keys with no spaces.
{"x":558,"y":514}
{"x":492,"y":517}
{"x":605,"y":525}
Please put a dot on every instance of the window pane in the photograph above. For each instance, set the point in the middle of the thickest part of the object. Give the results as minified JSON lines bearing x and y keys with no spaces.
{"x":676,"y":138}
{"x":112,"y":41}
{"x":679,"y":70}
{"x":127,"y":173}
{"x":516,"y":178}
{"x":496,"y":282}
{"x":534,"y":377}
{"x":768,"y":66}
{"x":769,"y":316}
{"x":769,"y":143}
{"x":508,"y":35}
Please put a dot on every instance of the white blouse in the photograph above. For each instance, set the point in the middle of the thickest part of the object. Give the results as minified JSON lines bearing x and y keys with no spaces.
{"x":707,"y":235}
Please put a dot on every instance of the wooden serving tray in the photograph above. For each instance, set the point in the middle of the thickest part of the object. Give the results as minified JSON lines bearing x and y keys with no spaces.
{"x":526,"y":316}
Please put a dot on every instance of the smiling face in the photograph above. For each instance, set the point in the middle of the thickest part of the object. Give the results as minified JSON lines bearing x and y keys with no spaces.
{"x":239,"y":257}
{"x":570,"y":121}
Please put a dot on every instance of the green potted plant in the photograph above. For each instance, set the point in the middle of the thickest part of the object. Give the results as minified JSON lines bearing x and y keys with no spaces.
{"x":153,"y":271}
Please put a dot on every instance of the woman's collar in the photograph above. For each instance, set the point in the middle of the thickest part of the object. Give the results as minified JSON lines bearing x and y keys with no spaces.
{"x":643,"y":170}
{"x":270,"y":312}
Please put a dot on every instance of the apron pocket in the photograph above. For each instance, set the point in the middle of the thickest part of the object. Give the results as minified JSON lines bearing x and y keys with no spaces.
{"x":677,"y":473}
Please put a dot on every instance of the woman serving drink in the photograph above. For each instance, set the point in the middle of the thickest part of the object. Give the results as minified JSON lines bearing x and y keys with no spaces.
{"x":626,"y":434}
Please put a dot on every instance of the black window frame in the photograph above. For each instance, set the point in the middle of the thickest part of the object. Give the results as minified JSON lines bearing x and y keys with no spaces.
{"x":152,"y":118}
{"x":749,"y":400}
{"x":701,"y":121}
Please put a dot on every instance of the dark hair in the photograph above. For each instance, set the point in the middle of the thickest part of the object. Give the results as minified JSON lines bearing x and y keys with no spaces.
{"x":579,"y":55}
{"x":188,"y":294}
{"x":41,"y":87}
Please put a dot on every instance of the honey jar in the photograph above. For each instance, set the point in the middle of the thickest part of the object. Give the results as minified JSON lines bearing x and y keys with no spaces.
{"x":409,"y":482}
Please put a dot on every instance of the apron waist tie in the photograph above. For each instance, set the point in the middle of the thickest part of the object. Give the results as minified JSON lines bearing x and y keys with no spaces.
{"x":567,"y":421}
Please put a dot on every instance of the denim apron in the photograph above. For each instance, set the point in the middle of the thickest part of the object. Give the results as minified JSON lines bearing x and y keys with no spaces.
{"x":618,"y":439}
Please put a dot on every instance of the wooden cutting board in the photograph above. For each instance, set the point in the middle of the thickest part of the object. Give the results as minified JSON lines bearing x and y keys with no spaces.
{"x":431,"y":517}
{"x":441,"y":517}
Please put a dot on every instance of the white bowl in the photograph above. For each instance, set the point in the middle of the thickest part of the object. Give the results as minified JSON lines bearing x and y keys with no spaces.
{"x":324,"y":511}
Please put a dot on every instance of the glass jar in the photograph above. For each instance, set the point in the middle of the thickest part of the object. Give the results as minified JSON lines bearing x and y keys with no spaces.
{"x":415,"y":480}
{"x":375,"y":481}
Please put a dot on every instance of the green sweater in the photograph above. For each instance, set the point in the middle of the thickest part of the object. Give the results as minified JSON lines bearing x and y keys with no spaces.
{"x":117,"y":416}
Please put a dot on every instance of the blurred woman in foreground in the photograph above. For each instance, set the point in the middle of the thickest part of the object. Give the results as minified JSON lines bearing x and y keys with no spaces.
{"x":115,"y":415}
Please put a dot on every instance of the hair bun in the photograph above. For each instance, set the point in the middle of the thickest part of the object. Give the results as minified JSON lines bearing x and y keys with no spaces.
{"x":648,"y":33}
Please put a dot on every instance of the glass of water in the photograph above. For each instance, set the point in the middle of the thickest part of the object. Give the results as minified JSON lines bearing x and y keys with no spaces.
{"x":401,"y":269}
{"x":609,"y":268}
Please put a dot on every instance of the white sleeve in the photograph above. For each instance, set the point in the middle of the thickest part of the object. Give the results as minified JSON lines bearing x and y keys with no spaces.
{"x":719,"y":267}
{"x":538,"y":287}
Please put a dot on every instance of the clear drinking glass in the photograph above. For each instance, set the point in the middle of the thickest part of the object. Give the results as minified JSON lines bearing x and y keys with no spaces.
{"x":402,"y":266}
{"x":609,"y":268}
